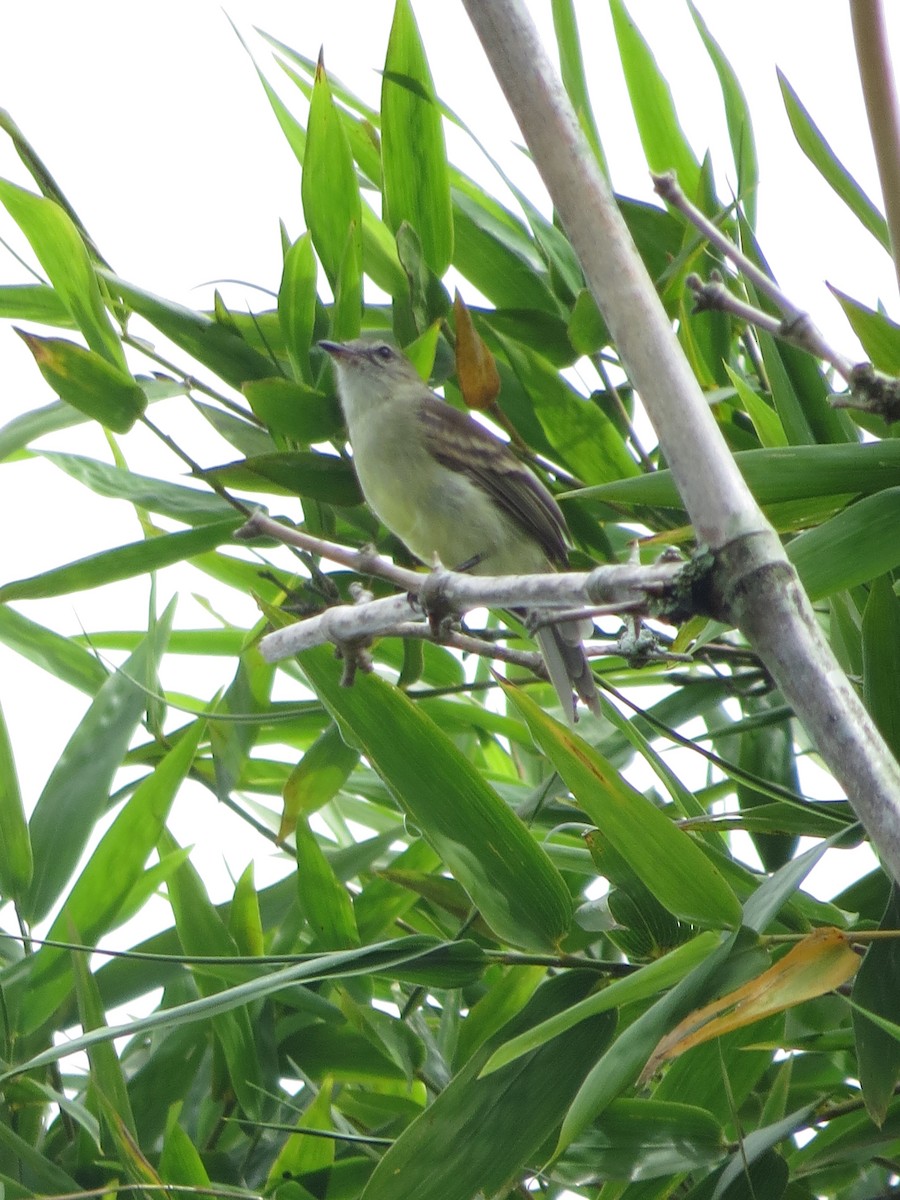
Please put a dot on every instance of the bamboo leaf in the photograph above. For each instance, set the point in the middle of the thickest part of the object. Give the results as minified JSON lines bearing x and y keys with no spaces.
{"x":414,"y":159}
{"x":509,"y":878}
{"x":64,"y":256}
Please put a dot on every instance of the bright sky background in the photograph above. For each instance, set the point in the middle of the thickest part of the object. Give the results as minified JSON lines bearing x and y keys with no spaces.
{"x":156,"y":128}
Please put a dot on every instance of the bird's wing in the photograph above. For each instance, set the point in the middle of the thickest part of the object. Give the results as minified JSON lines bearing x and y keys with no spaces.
{"x":461,"y":444}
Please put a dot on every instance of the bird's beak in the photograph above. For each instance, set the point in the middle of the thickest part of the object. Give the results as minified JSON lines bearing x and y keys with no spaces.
{"x":335,"y":349}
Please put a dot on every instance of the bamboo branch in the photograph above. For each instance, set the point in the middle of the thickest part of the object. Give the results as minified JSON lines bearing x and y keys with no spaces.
{"x":758,"y":588}
{"x":873,"y":58}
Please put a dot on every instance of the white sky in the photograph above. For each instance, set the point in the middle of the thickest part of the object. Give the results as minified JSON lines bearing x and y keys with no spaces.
{"x":157,"y":129}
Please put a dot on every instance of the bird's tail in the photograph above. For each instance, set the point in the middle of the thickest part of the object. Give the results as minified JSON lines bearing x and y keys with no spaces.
{"x":568,"y":666}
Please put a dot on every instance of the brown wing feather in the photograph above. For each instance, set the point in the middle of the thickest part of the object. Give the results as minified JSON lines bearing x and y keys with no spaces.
{"x":474,"y":451}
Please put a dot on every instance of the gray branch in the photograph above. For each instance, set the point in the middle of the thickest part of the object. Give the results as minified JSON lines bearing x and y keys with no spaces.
{"x":759,"y":589}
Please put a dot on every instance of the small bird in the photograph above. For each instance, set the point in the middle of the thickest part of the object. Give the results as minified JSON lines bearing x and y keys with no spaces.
{"x":447,"y":486}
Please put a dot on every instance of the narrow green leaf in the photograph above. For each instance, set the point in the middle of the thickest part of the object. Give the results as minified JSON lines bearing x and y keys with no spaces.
{"x":189,"y":505}
{"x":665,"y":146}
{"x":583,"y":437}
{"x":405,"y":958}
{"x":61,"y":656}
{"x":95,"y":904}
{"x":619,"y":1067}
{"x":875,"y":990}
{"x":244,"y":919}
{"x":294,"y":409}
{"x":297,"y":305}
{"x":571,"y":65}
{"x":480,"y":1131}
{"x":651,"y":979}
{"x":857,"y":545}
{"x":180,"y":1162}
{"x":765,"y":419}
{"x":510,"y":879}
{"x":778,"y":474}
{"x":817,"y":150}
{"x":329,"y":186}
{"x":324,"y":901}
{"x":346,"y":313}
{"x":16,"y":863}
{"x":106,"y":1070}
{"x":414,"y":158}
{"x":668,"y":861}
{"x":136,"y":558}
{"x":41,"y":1171}
{"x":879,"y":335}
{"x":881,"y":659}
{"x":63,"y":255}
{"x":305,"y":473}
{"x":215,"y":345}
{"x":77,"y":792}
{"x":643,"y":1139}
{"x":88,"y":381}
{"x":737,"y":117}
{"x":317,"y":777}
{"x":24,"y":429}
{"x":34,"y":302}
{"x":201,"y":931}
{"x":494,"y":252}
{"x":302,"y":1155}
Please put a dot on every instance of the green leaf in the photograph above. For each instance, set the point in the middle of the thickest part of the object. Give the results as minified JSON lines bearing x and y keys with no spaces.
{"x":406,"y":958}
{"x":643,"y":1139}
{"x":317,"y":777}
{"x":329,"y":187}
{"x":297,"y":305}
{"x":778,"y":474}
{"x":650,"y":980}
{"x":16,"y":863}
{"x":305,"y":473}
{"x":879,"y":335}
{"x":189,"y":505}
{"x":77,"y":792}
{"x":571,"y":65}
{"x":416,"y":181}
{"x":737,"y":117}
{"x":668,"y":861}
{"x":323,"y":900}
{"x":61,"y":656}
{"x":765,"y":419}
{"x":665,"y":146}
{"x":34,"y":302}
{"x":94,"y":906}
{"x":136,"y":558}
{"x":620,"y":1066}
{"x":480,"y":1131}
{"x":180,"y":1162}
{"x":509,"y":878}
{"x":63,"y":255}
{"x":22,"y":430}
{"x":201,"y":931}
{"x":107,"y":1076}
{"x":215,"y":345}
{"x":881,"y":659}
{"x":87,"y":381}
{"x":583,"y":437}
{"x":295,"y":410}
{"x":857,"y":545}
{"x":875,"y":989}
{"x":817,"y":150}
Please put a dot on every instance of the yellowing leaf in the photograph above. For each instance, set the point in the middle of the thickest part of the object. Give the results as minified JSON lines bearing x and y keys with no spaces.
{"x":821,"y":962}
{"x":476,"y":370}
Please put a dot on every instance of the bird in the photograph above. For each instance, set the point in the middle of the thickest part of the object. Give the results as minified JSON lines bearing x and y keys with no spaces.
{"x":446,"y":486}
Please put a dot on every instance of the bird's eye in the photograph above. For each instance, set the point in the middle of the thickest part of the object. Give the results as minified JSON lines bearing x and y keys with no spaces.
{"x":385,"y":353}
